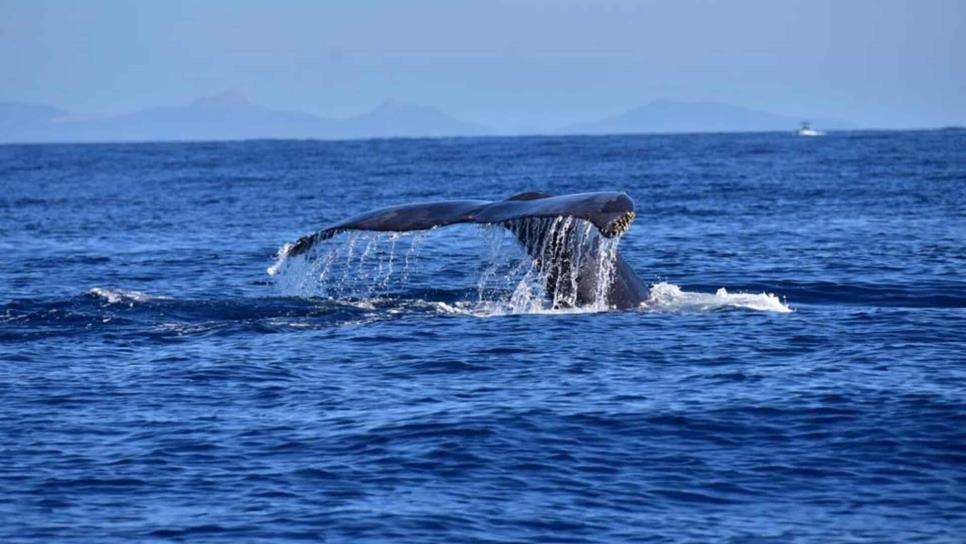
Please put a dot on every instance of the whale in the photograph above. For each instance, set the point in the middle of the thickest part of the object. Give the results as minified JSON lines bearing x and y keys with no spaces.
{"x":549,"y":228}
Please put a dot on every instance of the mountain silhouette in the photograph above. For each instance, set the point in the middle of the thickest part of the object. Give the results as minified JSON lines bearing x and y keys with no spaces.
{"x":395,"y":118}
{"x":668,"y":116}
{"x":224,"y":116}
{"x":230,"y":116}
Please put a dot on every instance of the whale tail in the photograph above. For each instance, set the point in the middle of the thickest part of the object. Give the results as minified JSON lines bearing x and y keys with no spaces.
{"x":558,"y":232}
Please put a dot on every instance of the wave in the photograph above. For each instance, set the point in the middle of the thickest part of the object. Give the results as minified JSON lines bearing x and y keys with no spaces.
{"x":119,"y":296}
{"x":148,"y":315}
{"x":136,"y":312}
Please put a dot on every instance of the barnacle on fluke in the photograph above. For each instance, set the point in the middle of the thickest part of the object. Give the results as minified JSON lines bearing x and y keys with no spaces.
{"x":618,"y":226}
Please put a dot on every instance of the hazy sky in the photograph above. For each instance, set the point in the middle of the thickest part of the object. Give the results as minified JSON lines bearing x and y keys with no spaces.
{"x":515,"y":65}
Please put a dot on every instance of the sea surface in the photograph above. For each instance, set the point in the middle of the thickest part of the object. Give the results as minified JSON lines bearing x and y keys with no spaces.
{"x":797,"y":375}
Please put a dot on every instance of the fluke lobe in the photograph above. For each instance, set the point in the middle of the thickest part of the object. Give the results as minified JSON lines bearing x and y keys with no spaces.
{"x":546,"y":226}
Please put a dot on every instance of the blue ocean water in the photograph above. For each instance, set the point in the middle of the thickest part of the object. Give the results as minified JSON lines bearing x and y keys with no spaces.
{"x":157,"y":384}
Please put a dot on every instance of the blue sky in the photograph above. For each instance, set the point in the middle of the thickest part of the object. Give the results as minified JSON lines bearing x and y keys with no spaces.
{"x":517,"y":65}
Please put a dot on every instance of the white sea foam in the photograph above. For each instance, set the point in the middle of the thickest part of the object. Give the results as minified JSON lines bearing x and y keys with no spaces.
{"x":537,"y":305}
{"x":667,"y":297}
{"x":664,"y":297}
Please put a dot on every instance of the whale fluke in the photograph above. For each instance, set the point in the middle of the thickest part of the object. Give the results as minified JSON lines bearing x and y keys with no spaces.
{"x":534,"y":218}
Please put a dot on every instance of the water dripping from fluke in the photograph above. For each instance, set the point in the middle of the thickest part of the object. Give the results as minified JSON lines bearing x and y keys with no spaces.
{"x":533,"y":265}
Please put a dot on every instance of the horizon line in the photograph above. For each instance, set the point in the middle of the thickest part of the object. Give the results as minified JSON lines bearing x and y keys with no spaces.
{"x":948,"y":128}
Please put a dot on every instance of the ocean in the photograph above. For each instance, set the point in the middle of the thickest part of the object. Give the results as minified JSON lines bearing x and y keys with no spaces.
{"x":798,"y":373}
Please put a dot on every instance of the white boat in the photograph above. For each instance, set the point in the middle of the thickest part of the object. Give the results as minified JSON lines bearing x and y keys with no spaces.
{"x":807,"y":130}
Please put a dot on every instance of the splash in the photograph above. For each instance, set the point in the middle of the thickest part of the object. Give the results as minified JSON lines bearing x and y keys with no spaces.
{"x":566,"y":266}
{"x":517,"y":262}
{"x":364,"y":265}
{"x":667,"y":297}
{"x":512,"y":276}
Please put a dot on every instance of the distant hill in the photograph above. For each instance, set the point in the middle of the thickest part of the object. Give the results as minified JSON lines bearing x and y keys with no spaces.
{"x":27,"y":122}
{"x":226,"y":116}
{"x":670,"y":116}
{"x":229,"y":116}
{"x":394,"y":118}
